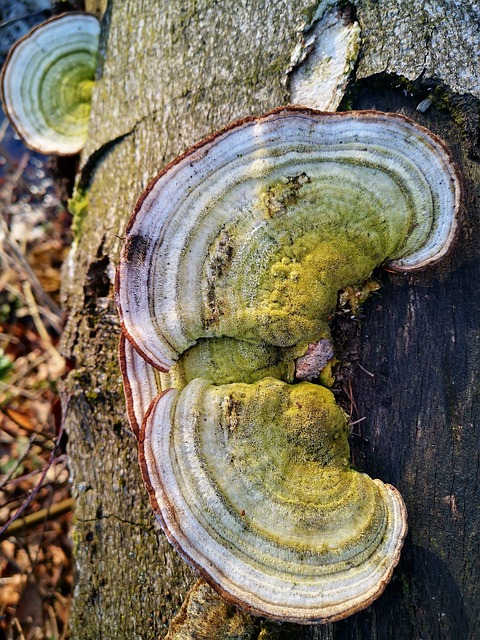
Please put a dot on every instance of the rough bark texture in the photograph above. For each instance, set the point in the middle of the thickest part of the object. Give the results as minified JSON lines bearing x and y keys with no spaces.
{"x":172,"y":72}
{"x":431,"y":38}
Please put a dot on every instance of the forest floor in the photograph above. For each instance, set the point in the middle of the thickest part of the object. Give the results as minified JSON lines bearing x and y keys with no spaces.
{"x":36,"y":507}
{"x":36,"y":573}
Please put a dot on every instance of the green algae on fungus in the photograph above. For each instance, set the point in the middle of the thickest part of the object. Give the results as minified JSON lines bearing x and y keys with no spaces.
{"x":252,"y":483}
{"x":230,"y":271}
{"x":258,"y":493}
{"x":225,"y":360}
{"x":252,"y":232}
{"x":47,"y":83}
{"x":219,"y":361}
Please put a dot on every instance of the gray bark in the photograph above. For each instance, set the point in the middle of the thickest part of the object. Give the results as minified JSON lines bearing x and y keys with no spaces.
{"x":171,"y":73}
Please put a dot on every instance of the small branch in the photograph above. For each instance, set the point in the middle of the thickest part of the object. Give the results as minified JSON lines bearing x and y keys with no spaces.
{"x":24,"y":424}
{"x":26,"y":270}
{"x":353,"y":406}
{"x":16,"y":391}
{"x":40,"y":327}
{"x":18,"y":462}
{"x":28,"y":501}
{"x":38,"y":517}
{"x":18,"y":628}
{"x":13,"y":181}
{"x":369,"y":373}
{"x":62,"y":458}
{"x":26,"y":16}
{"x":4,"y":126}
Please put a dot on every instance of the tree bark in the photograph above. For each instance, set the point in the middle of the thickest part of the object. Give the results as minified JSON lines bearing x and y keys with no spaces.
{"x":171,"y":73}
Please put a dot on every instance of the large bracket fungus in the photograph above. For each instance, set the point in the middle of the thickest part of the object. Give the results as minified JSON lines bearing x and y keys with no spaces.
{"x":47,"y":83}
{"x":231,"y":268}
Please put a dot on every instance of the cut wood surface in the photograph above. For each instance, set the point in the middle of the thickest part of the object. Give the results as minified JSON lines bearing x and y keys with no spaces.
{"x":171,"y":73}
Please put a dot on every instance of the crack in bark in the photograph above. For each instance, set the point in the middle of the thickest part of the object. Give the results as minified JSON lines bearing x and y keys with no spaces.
{"x":96,"y":157}
{"x":148,"y":528}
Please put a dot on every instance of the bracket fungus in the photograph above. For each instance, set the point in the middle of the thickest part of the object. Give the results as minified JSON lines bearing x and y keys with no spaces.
{"x":231,"y":268}
{"x":47,"y":83}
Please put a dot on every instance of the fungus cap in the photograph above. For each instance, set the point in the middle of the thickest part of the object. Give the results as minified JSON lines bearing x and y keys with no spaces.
{"x":216,"y":235}
{"x":47,"y":83}
{"x":260,"y":498}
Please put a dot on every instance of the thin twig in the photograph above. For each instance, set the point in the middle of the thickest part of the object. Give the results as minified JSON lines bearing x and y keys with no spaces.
{"x":18,"y":628}
{"x":353,"y":406}
{"x":39,"y":484}
{"x":40,"y":327}
{"x":369,"y":373}
{"x":8,"y":580}
{"x":357,"y":421}
{"x":26,"y":16}
{"x":15,"y":178}
{"x":39,"y":516}
{"x":5,"y":281}
{"x":43,"y":297}
{"x":8,"y":337}
{"x":12,"y":415}
{"x":7,"y":155}
{"x":18,"y":462}
{"x":11,"y":560}
{"x":16,"y":391}
{"x":26,"y":364}
{"x":61,"y":458}
{"x":53,"y":623}
{"x":4,"y":126}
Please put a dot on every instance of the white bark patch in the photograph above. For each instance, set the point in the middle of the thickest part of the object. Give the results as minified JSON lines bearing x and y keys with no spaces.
{"x":324,"y":62}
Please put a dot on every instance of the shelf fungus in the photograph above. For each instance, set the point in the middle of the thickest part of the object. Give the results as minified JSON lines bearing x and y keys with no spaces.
{"x":231,"y":269}
{"x":47,"y":83}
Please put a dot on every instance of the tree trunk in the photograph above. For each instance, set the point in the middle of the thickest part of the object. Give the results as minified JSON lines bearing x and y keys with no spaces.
{"x":170,"y":73}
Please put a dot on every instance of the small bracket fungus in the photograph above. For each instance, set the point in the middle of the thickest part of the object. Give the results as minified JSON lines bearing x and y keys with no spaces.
{"x":231,"y":268}
{"x":47,"y":83}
